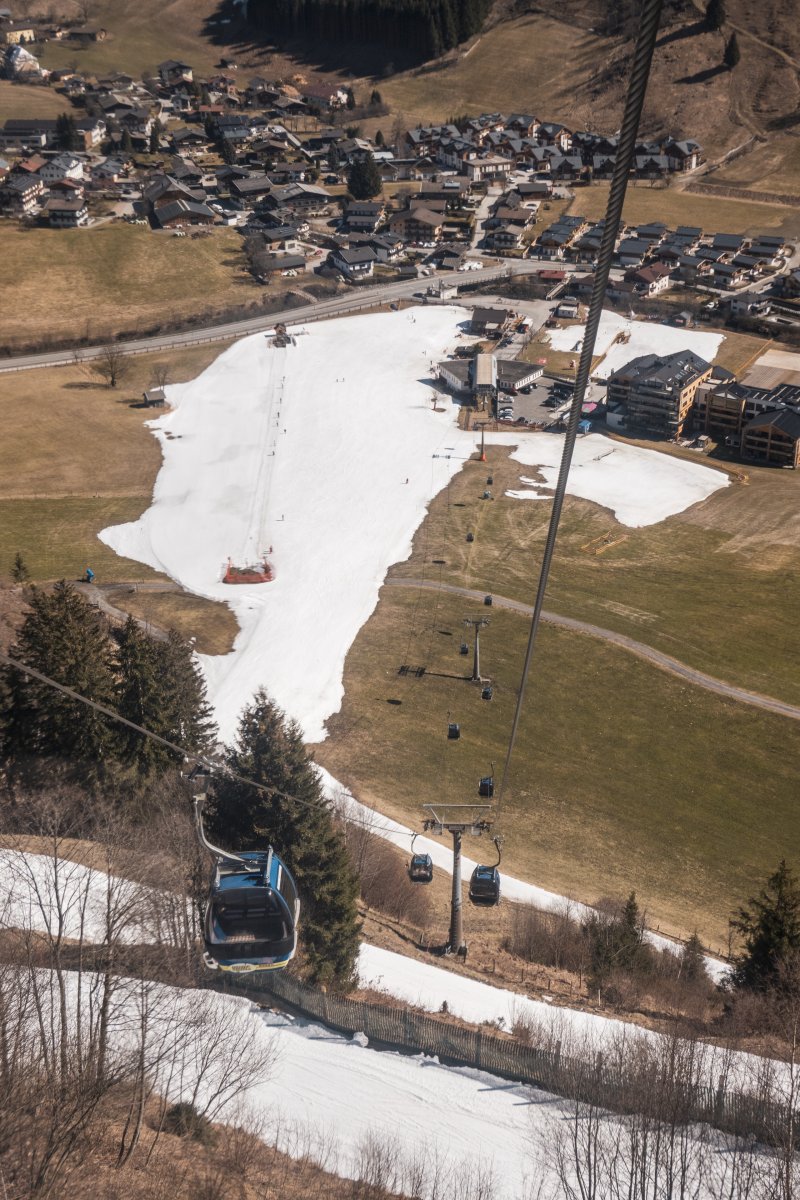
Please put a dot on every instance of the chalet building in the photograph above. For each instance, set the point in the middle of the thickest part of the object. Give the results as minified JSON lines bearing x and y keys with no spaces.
{"x":682,"y":156}
{"x":299,"y":198}
{"x":66,"y":212}
{"x":417,"y":225}
{"x":656,"y":394}
{"x":773,"y":438}
{"x":20,"y":195}
{"x":490,"y":322}
{"x":250,"y":189}
{"x":30,"y":132}
{"x":726,"y":408}
{"x":652,"y":279}
{"x":183,"y":212}
{"x":173,"y":73}
{"x":364,"y":216}
{"x":17,"y":33}
{"x":63,"y":166}
{"x":354,"y":264}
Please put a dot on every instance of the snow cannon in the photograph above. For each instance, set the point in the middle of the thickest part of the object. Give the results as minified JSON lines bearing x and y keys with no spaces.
{"x":260,"y":573}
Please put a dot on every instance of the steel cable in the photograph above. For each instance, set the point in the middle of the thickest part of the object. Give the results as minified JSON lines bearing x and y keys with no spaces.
{"x":626,"y":150}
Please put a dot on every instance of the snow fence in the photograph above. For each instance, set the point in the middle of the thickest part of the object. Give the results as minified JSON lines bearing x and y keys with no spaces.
{"x":628,"y":1079}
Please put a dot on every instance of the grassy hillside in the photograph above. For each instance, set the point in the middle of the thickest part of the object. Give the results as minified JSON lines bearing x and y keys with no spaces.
{"x":113,"y":278}
{"x":625,"y":777}
{"x":19,"y":100}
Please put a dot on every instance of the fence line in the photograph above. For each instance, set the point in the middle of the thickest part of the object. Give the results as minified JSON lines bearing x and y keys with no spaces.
{"x":620,"y":1086}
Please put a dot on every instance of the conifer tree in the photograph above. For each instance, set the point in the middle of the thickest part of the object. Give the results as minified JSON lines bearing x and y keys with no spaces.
{"x":155,"y":137}
{"x":716,"y":15}
{"x":732,"y":52}
{"x":693,"y":967}
{"x":20,"y":572}
{"x":127,"y":141}
{"x":64,"y":637}
{"x":351,"y":100}
{"x":161,"y":688}
{"x":269,"y":749}
{"x":770,"y":929}
{"x":379,"y":139}
{"x":364,"y":178}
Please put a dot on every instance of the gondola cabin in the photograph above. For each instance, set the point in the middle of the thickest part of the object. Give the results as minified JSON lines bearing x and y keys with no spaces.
{"x":464,"y":648}
{"x":252,"y":914}
{"x":487,"y":693}
{"x":420,"y":869}
{"x":453,"y":731}
{"x":484,"y":886}
{"x":486,"y":786}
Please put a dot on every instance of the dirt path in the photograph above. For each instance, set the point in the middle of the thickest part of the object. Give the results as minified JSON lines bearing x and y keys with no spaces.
{"x":664,"y":662}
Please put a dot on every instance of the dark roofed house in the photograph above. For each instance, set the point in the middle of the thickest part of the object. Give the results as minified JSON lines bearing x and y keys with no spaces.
{"x":657,"y":393}
{"x":773,"y":438}
{"x":66,"y":212}
{"x":183,"y":212}
{"x":354,"y":264}
{"x":489,"y":322}
{"x":364,"y":216}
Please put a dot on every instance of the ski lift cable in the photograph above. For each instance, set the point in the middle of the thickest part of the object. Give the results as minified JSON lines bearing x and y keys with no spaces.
{"x":199,"y":760}
{"x":626,"y":150}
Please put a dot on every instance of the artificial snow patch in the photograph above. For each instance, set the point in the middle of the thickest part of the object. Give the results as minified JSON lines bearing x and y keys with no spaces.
{"x":324,"y":455}
{"x":644,"y":337}
{"x":641,"y":487}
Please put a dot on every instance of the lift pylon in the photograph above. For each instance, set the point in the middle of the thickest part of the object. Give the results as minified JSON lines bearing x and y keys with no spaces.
{"x":458,"y":819}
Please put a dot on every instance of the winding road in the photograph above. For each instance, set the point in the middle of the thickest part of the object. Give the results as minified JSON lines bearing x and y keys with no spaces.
{"x":664,"y":662}
{"x":358,"y":298}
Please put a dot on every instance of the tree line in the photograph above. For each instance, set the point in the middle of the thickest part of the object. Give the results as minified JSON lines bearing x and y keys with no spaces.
{"x":424,"y":27}
{"x":156,"y":683}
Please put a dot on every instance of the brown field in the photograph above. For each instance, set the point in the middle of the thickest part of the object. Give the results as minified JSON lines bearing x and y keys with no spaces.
{"x":518,"y":65}
{"x":75,"y":458}
{"x":22,"y":100}
{"x":715,"y":215}
{"x":113,"y":279}
{"x":214,"y":625}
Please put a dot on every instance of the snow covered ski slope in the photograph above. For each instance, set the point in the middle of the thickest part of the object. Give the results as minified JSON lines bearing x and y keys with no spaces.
{"x":325,"y":455}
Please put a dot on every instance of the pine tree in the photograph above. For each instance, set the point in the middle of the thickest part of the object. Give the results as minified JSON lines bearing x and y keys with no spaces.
{"x":716,"y":16}
{"x":67,"y":135}
{"x":732,"y":52}
{"x":161,"y":688}
{"x":64,"y":637}
{"x":228,"y":153}
{"x":375,"y":97}
{"x":155,"y":137}
{"x":379,"y":139}
{"x":20,"y":572}
{"x":127,"y":141}
{"x":269,"y":749}
{"x":693,"y":966}
{"x":630,"y":934}
{"x":364,"y":178}
{"x":351,"y":100}
{"x":770,"y":928}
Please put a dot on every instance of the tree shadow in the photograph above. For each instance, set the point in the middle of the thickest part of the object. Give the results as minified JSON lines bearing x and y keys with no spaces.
{"x":703,"y":76}
{"x":226,"y":29}
{"x":81,"y":386}
{"x":683,"y":32}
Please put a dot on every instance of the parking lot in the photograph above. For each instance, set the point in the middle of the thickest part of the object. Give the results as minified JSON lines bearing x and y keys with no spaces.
{"x":533,"y":405}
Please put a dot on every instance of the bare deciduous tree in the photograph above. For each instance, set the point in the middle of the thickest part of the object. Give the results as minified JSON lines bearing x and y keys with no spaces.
{"x":111,"y":365}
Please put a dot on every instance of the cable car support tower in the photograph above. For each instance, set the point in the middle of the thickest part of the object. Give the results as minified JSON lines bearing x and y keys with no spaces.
{"x":458,"y":819}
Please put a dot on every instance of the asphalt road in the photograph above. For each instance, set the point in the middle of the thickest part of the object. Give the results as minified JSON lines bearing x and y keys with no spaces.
{"x":664,"y":661}
{"x":352,"y":301}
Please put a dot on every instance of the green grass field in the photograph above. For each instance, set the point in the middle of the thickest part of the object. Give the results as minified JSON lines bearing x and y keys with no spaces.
{"x":715,"y":215}
{"x":623,"y":777}
{"x":716,"y":586}
{"x":113,"y":279}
